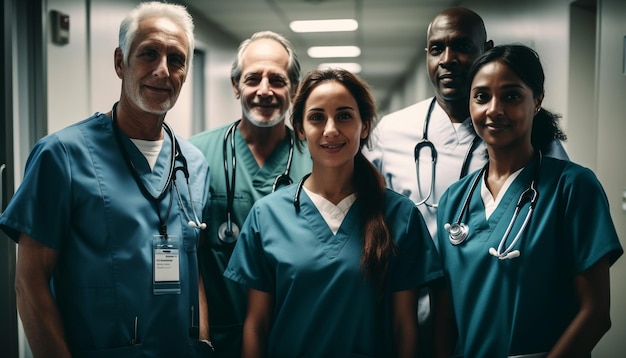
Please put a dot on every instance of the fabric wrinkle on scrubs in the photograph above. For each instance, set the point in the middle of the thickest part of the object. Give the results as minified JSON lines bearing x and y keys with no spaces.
{"x":79,"y":197}
{"x":523,"y":305}
{"x":252,"y":183}
{"x":321,"y":308}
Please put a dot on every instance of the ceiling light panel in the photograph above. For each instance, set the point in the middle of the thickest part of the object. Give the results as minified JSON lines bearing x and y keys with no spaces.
{"x":348,"y":66}
{"x":333,"y":51}
{"x":336,"y":25}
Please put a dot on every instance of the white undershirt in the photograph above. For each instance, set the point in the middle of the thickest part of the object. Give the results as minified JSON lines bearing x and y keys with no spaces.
{"x":488,"y":200}
{"x":150,"y":149}
{"x":332,"y":214}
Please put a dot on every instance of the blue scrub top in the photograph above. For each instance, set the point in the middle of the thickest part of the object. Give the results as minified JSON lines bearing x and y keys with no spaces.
{"x":523,"y":305}
{"x":252,"y":183}
{"x":79,"y":197}
{"x":324,"y":306}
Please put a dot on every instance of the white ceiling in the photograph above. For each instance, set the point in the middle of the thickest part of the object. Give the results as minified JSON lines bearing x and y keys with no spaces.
{"x":391,"y":33}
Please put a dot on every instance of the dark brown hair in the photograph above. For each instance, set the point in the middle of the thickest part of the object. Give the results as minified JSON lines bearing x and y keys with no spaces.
{"x":525,"y":63}
{"x":378,"y":245}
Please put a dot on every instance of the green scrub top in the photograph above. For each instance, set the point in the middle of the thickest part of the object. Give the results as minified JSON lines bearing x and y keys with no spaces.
{"x":227,"y":300}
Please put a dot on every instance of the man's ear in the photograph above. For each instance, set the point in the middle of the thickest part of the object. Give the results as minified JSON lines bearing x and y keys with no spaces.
{"x":235,"y":86}
{"x":488,"y":45}
{"x":293,"y":90}
{"x":118,"y":61}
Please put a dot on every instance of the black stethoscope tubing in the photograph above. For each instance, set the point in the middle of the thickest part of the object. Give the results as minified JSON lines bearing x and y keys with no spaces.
{"x":171,"y":177}
{"x":296,"y":197}
{"x":425,"y":143}
{"x":229,"y":231}
{"x":284,"y":179}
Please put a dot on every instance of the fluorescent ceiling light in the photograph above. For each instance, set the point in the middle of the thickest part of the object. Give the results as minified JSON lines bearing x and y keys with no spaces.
{"x":348,"y":66}
{"x":324,"y":25}
{"x":333,"y":51}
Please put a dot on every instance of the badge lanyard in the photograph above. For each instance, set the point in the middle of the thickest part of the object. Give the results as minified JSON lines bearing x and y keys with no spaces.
{"x":165,"y":247}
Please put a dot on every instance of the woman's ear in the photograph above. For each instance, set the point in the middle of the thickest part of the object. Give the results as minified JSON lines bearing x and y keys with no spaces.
{"x":365,"y":131}
{"x":538,"y":102}
{"x":300,"y":132}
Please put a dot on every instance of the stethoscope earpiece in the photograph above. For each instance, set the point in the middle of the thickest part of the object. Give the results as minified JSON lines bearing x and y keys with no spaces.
{"x":504,"y":256}
{"x":195,"y":225}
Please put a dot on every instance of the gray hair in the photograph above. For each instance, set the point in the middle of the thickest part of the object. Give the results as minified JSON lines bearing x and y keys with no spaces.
{"x":177,"y":13}
{"x":293,"y":68}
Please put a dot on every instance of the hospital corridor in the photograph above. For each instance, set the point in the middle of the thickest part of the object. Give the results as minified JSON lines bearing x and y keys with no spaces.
{"x":60,"y":67}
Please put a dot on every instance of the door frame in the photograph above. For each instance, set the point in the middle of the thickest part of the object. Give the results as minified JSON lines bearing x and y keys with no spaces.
{"x":8,"y":308}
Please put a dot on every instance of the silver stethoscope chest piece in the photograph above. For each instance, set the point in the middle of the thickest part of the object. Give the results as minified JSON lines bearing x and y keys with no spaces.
{"x":458,"y":232}
{"x":228,"y":235}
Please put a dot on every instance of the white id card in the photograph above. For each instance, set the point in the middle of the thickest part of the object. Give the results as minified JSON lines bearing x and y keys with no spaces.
{"x":166,"y":265}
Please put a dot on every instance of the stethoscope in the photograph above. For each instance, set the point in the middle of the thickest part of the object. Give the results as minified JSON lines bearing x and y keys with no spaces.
{"x":459,"y":231}
{"x":425,"y":143}
{"x":228,"y":231}
{"x":296,"y":197}
{"x":177,"y":155}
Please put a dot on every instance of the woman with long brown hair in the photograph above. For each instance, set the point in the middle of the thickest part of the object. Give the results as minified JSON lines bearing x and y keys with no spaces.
{"x":334,"y":262}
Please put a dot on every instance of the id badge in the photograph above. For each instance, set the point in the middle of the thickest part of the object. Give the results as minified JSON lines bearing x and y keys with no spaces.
{"x":166,"y":265}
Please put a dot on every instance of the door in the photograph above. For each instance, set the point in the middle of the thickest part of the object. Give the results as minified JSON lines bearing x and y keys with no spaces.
{"x":23,"y":33}
{"x":8,"y":311}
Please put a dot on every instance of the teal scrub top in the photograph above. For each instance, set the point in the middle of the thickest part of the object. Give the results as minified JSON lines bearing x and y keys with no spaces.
{"x":324,"y":306}
{"x":78,"y":197}
{"x":227,"y":300}
{"x":523,"y":305}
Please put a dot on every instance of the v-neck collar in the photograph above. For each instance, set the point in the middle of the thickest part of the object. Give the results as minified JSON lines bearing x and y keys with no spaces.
{"x":333,"y":243}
